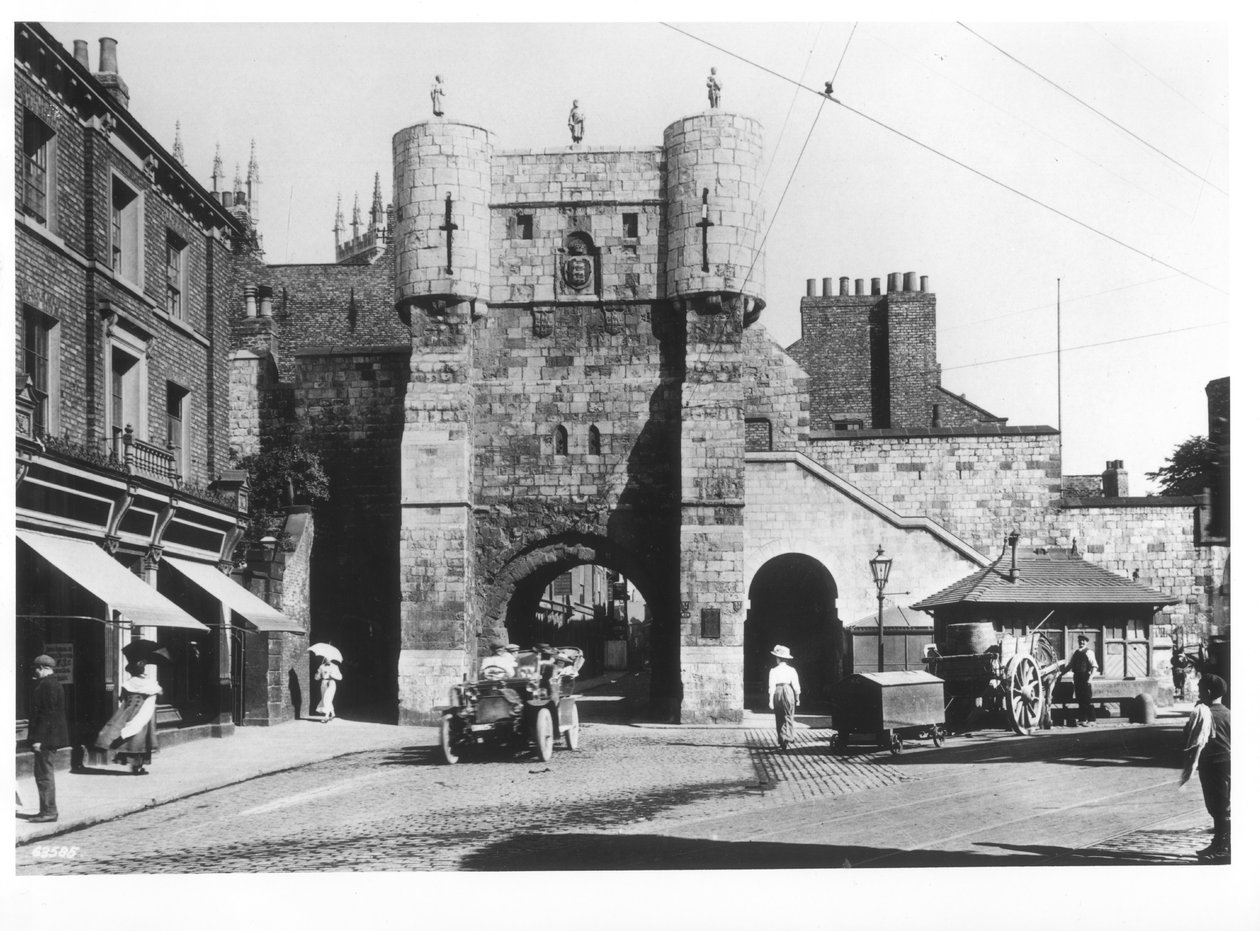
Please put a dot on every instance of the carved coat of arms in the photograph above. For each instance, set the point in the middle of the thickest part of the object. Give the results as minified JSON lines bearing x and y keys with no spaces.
{"x":577,"y":271}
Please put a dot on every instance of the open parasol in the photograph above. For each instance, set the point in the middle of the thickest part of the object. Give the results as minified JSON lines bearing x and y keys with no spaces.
{"x":146,"y":651}
{"x":325,"y":650}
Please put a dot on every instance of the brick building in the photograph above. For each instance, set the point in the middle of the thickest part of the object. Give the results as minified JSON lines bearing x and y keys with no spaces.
{"x":127,"y":513}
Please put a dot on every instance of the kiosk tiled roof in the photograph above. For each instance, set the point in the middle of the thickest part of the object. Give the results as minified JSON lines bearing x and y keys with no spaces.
{"x":1051,"y":578}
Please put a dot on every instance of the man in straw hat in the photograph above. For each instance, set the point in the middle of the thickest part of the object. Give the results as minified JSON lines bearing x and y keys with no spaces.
{"x":785,"y":694}
{"x":47,"y":732}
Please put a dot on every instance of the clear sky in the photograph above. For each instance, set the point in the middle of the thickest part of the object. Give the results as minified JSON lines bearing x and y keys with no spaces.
{"x":1145,"y":292}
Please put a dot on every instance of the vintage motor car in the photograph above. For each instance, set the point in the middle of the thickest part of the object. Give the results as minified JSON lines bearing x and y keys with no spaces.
{"x":520,"y":710}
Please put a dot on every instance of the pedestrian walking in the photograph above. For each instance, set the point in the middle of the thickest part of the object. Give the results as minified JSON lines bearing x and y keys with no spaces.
{"x":47,"y":733}
{"x":1180,"y":663}
{"x":131,"y":732}
{"x":1207,"y":750}
{"x":785,"y":695}
{"x":328,"y":675}
{"x":1082,"y":666}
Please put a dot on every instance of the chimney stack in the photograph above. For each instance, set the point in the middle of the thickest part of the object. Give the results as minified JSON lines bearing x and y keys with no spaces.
{"x":1013,"y":542}
{"x":1115,"y":480}
{"x":81,"y":54}
{"x":107,"y":73}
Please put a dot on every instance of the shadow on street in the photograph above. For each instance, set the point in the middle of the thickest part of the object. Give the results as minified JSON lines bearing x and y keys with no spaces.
{"x":654,"y":852}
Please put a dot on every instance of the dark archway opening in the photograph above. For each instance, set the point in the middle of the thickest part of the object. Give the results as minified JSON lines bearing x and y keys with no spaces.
{"x":584,"y":605}
{"x":792,"y":601}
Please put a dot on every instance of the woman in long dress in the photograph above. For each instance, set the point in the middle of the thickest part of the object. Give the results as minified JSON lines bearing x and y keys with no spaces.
{"x":131,"y":732}
{"x":328,"y":676}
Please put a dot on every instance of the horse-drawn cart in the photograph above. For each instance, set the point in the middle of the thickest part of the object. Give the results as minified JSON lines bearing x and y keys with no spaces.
{"x":1011,"y":673}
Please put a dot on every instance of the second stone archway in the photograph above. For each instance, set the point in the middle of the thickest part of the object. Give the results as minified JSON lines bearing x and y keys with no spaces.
{"x":792,"y":601}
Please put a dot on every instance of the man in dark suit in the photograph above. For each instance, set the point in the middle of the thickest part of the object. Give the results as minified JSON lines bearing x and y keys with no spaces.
{"x":47,"y":733}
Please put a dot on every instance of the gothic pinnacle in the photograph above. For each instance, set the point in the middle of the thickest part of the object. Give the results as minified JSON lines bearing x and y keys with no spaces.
{"x":177,"y":150}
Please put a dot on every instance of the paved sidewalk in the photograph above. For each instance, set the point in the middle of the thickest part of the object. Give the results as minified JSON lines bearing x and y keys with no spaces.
{"x":101,"y":794}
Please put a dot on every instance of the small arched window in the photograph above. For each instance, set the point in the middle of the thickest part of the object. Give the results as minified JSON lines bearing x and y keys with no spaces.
{"x":594,"y":442}
{"x":560,"y":441}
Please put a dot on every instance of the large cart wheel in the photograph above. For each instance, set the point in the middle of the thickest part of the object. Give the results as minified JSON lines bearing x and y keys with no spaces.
{"x":1025,"y":694}
{"x":938,"y":736}
{"x":543,"y":735}
{"x":573,"y":735}
{"x":445,"y":735}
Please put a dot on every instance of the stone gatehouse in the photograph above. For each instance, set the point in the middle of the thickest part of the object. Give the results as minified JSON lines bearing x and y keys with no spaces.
{"x":530,"y":361}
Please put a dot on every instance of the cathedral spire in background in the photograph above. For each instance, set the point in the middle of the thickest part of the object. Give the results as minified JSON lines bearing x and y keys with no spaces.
{"x":177,"y":150}
{"x":339,"y":223}
{"x":376,"y":216}
{"x":216,"y":173}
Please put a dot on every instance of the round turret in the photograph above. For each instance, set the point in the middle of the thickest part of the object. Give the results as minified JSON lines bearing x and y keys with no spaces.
{"x":441,"y":214}
{"x":714,"y":220}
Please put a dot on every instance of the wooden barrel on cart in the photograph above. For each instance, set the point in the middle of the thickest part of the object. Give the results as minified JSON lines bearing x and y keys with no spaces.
{"x":971,"y":638}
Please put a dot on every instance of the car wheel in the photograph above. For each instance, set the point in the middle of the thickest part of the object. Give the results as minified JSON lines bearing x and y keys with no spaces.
{"x":445,"y":735}
{"x":543,"y":735}
{"x":573,"y":735}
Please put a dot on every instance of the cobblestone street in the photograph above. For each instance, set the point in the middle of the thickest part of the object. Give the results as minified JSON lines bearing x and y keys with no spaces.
{"x":666,"y":798}
{"x":404,"y":810}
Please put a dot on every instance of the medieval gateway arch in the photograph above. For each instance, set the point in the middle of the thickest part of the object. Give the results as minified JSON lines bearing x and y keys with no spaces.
{"x":582,"y":385}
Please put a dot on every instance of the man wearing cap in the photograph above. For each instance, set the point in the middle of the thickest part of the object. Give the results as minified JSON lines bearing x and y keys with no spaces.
{"x":47,"y":733}
{"x":785,"y":694}
{"x":502,"y":657}
{"x":1082,"y":665}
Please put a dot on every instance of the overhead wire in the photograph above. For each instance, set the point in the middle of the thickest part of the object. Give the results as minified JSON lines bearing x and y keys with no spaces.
{"x":1079,"y":297}
{"x":801,"y":155}
{"x":1093,"y":109}
{"x":949,"y":158}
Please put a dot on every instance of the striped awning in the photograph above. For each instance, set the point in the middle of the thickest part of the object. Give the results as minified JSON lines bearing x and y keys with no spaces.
{"x":90,"y":567}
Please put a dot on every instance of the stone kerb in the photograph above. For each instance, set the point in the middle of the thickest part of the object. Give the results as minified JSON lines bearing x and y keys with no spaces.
{"x":720,"y":152}
{"x":432,"y":160}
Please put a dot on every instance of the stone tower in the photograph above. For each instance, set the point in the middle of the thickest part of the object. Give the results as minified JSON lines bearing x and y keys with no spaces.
{"x":714,"y":279}
{"x":442,"y":278}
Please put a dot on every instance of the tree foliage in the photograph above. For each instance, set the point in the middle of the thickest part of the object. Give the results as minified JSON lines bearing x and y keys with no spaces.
{"x":278,"y":478}
{"x":1191,"y":468}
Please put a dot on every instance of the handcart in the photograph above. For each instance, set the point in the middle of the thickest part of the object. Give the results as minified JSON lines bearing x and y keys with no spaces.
{"x":889,"y":708}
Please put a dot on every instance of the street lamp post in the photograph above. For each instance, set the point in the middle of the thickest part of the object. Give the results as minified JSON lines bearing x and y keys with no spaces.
{"x":881,"y":565}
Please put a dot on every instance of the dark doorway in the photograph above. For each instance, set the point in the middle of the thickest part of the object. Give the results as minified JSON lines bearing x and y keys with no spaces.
{"x":792,"y":602}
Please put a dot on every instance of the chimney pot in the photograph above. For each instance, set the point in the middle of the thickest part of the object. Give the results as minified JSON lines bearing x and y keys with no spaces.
{"x":226,"y":197}
{"x":251,"y":303}
{"x":264,"y":301}
{"x":809,"y":287}
{"x":844,"y":287}
{"x":826,"y":287}
{"x":909,"y":282}
{"x":109,"y":56}
{"x":923,"y":284}
{"x":874,"y":287}
{"x":859,"y":285}
{"x":894,"y":282}
{"x":81,"y":53}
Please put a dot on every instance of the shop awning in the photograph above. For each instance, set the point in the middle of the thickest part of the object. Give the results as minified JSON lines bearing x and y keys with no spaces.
{"x":91,"y":567}
{"x":257,"y":612}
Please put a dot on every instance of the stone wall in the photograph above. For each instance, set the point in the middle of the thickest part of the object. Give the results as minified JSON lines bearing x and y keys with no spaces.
{"x":619,"y":191}
{"x":979,"y":482}
{"x":792,"y":508}
{"x":776,"y":394}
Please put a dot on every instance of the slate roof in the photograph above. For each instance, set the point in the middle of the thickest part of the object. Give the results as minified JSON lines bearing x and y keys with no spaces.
{"x":1052,"y":578}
